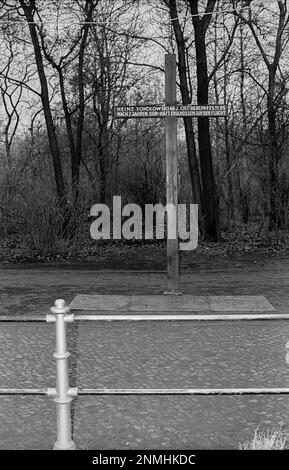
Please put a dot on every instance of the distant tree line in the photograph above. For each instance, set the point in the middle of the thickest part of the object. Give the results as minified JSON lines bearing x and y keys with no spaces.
{"x":64,"y":66}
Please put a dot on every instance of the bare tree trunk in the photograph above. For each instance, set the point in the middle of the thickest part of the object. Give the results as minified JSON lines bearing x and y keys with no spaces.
{"x":102,"y":181}
{"x":102,"y":157}
{"x":211,"y":211}
{"x":231,"y":211}
{"x":186,"y":99}
{"x":28,"y":9}
{"x":274,"y":220}
{"x":243,"y":182}
{"x":76,"y":157}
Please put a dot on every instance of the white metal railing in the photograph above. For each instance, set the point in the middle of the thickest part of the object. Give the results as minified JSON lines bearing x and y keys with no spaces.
{"x":63,"y":394}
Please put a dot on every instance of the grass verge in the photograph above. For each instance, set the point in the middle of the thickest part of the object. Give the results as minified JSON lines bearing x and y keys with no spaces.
{"x":275,"y":439}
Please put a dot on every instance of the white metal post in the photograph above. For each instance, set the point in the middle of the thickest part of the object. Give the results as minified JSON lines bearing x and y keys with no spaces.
{"x":64,"y":395}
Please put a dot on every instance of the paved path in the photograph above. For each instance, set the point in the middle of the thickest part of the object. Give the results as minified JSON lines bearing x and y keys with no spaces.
{"x":146,"y":354}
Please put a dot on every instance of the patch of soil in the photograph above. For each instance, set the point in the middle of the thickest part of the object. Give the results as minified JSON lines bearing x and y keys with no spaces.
{"x":141,"y":255}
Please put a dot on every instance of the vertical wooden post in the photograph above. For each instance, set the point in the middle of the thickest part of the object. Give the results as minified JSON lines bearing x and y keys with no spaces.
{"x":171,"y":177}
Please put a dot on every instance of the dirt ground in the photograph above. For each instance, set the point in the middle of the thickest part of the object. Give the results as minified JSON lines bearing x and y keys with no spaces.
{"x":31,"y":288}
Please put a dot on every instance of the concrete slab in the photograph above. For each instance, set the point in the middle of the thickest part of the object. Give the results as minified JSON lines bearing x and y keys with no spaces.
{"x":240,"y":303}
{"x":186,"y":303}
{"x":176,"y":305}
{"x":146,"y":303}
{"x":100,"y":302}
{"x":168,"y":303}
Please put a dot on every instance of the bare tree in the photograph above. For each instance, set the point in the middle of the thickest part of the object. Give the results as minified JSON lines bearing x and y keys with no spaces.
{"x":271,"y":58}
{"x":29,"y":9}
{"x":186,"y":93}
{"x":75,"y":56}
{"x":110,"y":77}
{"x":204,"y":193}
{"x":11,"y":94}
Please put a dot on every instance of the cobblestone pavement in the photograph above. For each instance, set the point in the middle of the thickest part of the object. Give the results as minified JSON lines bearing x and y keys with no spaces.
{"x":145,"y":354}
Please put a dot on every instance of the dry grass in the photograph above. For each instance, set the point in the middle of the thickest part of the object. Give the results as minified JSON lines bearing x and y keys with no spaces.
{"x":266,"y":440}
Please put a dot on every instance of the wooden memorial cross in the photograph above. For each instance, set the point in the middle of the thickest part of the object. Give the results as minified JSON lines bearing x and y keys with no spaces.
{"x":171,"y":111}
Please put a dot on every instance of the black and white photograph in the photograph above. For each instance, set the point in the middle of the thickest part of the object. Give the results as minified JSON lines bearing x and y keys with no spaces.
{"x":144,"y":230}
